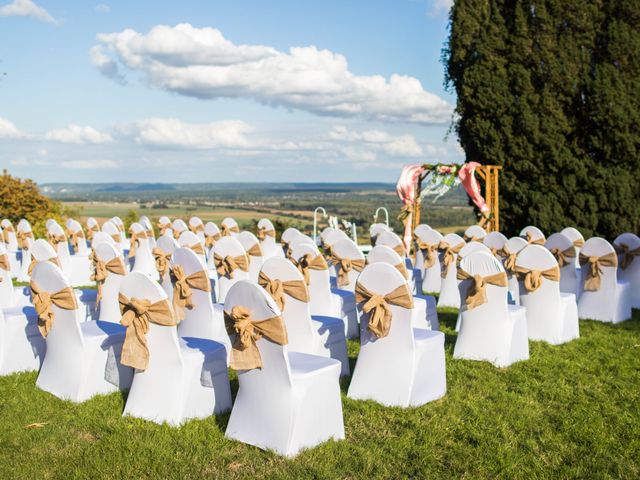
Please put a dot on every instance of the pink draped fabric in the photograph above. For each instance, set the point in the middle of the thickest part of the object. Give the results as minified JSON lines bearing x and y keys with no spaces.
{"x":471,"y":185}
{"x":406,"y":188}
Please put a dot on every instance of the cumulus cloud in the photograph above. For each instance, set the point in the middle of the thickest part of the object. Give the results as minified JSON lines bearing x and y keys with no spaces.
{"x":78,"y":135}
{"x":200,"y":62}
{"x":9,"y":130}
{"x":400,"y":145}
{"x":171,"y":132}
{"x":25,"y":8}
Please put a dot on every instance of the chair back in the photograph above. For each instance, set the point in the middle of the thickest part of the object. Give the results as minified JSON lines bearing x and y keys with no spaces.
{"x":346,"y":248}
{"x":228,"y":246}
{"x":109,"y":306}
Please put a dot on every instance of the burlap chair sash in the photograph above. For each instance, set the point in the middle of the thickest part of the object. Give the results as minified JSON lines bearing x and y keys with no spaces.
{"x":22,"y":237}
{"x":578,"y":242}
{"x":211,"y":240}
{"x":162,"y":259}
{"x":245,"y":354}
{"x":264,"y":233}
{"x":116,"y":238}
{"x":228,"y":230}
{"x":92,"y":230}
{"x":5,"y":233}
{"x":197,"y":248}
{"x":509,"y":261}
{"x":4,"y":263}
{"x":102,"y":269}
{"x":177,"y":233}
{"x":471,"y":238}
{"x":225,"y":266}
{"x":378,"y":306}
{"x":533,"y":241}
{"x":594,"y":266}
{"x":428,"y":252}
{"x":74,"y":238}
{"x":532,"y":279}
{"x":196,"y":228}
{"x":255,"y":250}
{"x":55,"y":239}
{"x":162,"y":227}
{"x":182,"y":285}
{"x":477,"y":292}
{"x":563,"y":255}
{"x":627,"y":255}
{"x":137,"y":314}
{"x":399,"y":249}
{"x":344,"y":266}
{"x":43,"y":301}
{"x":135,"y":237}
{"x":309,"y":262}
{"x":448,"y":255}
{"x":277,"y":289}
{"x":53,"y":260}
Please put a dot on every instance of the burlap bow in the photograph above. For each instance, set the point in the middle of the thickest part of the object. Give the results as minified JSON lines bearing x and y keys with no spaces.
{"x":136,"y":316}
{"x":428,"y":252}
{"x":578,"y":242}
{"x":264,"y":233}
{"x":562,"y":255}
{"x":5,"y":233}
{"x":162,"y":260}
{"x":477,"y":292}
{"x":229,"y":229}
{"x":22,"y":237}
{"x":402,"y":268}
{"x":162,"y":227}
{"x":399,"y":249}
{"x":210,"y":240}
{"x":55,"y":239}
{"x":177,"y":233}
{"x":594,"y":269}
{"x":448,"y":255}
{"x":102,"y":269}
{"x":309,"y":262}
{"x":378,"y":306}
{"x":277,"y":289}
{"x":182,"y":285}
{"x":4,"y":264}
{"x":43,"y":301}
{"x":196,"y":228}
{"x":53,"y":260}
{"x":225,"y":266}
{"x":197,"y":248}
{"x":532,"y":279}
{"x":532,"y":241}
{"x":91,"y":230}
{"x":627,"y":255}
{"x":74,"y":238}
{"x":344,"y":266}
{"x":471,"y":238}
{"x":245,"y":354}
{"x":116,"y":238}
{"x":509,"y":261}
{"x":255,"y":250}
{"x":135,"y":237}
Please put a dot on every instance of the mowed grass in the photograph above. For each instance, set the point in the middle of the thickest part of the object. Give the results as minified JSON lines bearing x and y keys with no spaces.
{"x":571,"y":411}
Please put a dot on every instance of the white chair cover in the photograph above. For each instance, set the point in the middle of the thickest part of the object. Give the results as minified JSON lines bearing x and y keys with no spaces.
{"x":568,"y":274}
{"x":249,"y":240}
{"x":578,"y":240}
{"x":168,"y":245}
{"x":430,"y":276}
{"x":143,"y":262}
{"x":227,"y":246}
{"x":109,"y":308}
{"x":449,"y":294}
{"x":269,"y":245}
{"x":631,"y":273}
{"x":514,"y":245}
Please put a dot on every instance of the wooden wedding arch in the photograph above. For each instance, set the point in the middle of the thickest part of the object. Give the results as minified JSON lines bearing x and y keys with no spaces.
{"x":490,"y":221}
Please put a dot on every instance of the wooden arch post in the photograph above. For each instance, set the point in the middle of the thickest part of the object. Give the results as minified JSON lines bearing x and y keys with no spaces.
{"x":488,"y":173}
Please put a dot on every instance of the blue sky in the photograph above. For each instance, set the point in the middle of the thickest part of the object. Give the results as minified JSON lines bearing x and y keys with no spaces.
{"x":222,"y":91}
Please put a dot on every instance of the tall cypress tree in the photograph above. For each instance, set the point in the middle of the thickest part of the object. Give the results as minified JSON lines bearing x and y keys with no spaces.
{"x":525,"y":74}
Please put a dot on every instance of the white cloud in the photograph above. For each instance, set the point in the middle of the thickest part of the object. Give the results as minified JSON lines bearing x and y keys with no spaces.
{"x":103,"y":8}
{"x":25,"y":8}
{"x":78,"y":135}
{"x":398,"y":146}
{"x":9,"y":130}
{"x":200,"y":62}
{"x":171,"y":132}
{"x":89,"y":164}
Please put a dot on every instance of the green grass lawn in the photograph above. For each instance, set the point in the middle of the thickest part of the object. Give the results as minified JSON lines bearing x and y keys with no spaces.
{"x":571,"y":411}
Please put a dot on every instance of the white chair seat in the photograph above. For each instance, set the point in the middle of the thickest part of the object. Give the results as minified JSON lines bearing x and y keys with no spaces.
{"x":304,"y":365}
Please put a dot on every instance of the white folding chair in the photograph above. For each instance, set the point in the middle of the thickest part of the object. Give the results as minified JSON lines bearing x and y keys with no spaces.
{"x":578,"y":241}
{"x":475,"y":233}
{"x":448,"y":250}
{"x":510,"y":253}
{"x":183,"y":378}
{"x":324,"y":301}
{"x":164,"y":224}
{"x":493,"y":330}
{"x":292,"y":401}
{"x":197,"y":227}
{"x":114,"y":232}
{"x":110,"y":270}
{"x":424,"y":308}
{"x":603,"y":297}
{"x":140,"y":252}
{"x":496,"y":241}
{"x":319,"y":335}
{"x":252,"y":248}
{"x":427,"y":259}
{"x":398,"y":365}
{"x":376,"y":229}
{"x":190,"y":240}
{"x":211,"y":236}
{"x":77,"y":351}
{"x":177,"y":227}
{"x":564,"y":251}
{"x":203,"y":319}
{"x":231,"y":263}
{"x":627,"y":245}
{"x":287,"y":237}
{"x":163,"y":255}
{"x":533,"y":235}
{"x":552,"y":316}
{"x":266,"y":233}
{"x":229,"y":227}
{"x":76,"y":237}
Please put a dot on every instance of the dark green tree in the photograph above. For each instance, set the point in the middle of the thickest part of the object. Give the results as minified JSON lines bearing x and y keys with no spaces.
{"x":526,"y":75}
